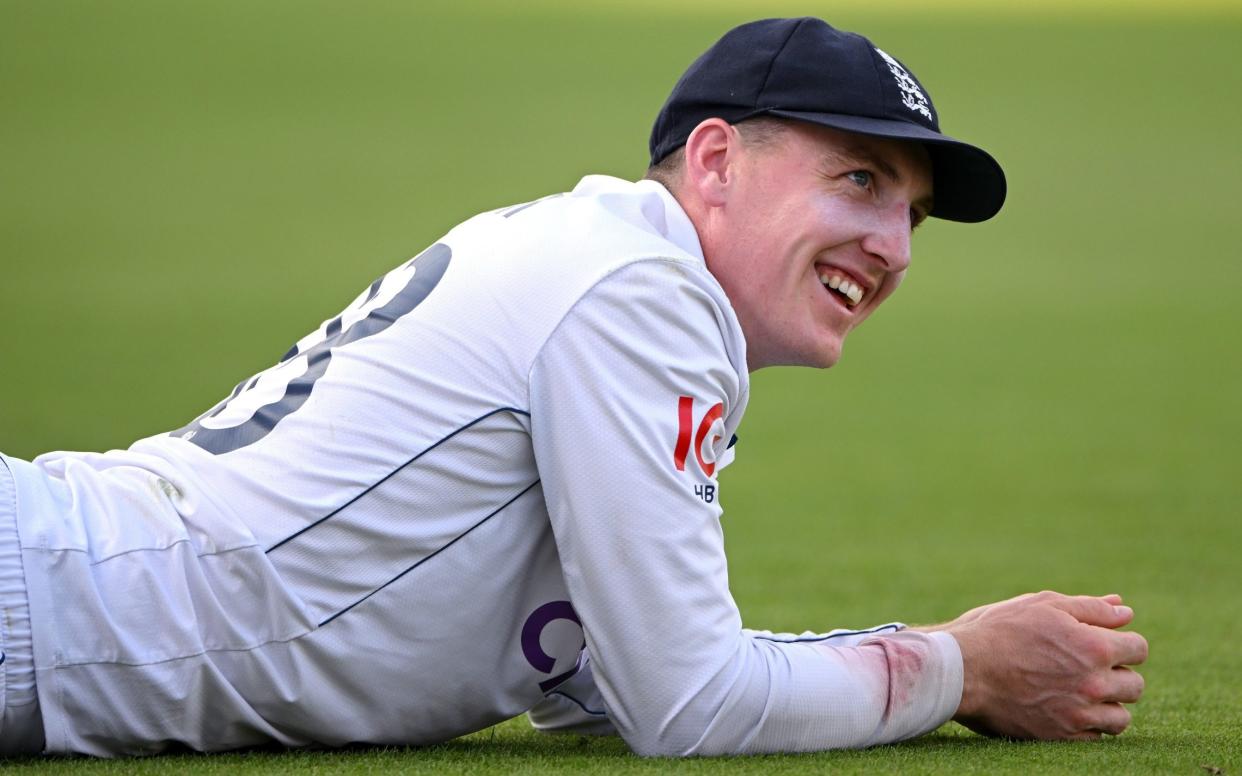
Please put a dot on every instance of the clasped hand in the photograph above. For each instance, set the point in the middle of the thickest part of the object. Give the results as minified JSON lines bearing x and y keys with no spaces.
{"x":1048,"y":666}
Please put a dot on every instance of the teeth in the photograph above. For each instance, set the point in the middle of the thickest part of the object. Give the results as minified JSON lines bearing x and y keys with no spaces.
{"x":847,"y":288}
{"x":854,"y":292}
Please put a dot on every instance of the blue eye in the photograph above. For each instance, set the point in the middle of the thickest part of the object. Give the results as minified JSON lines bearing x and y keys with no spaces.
{"x":860,"y":178}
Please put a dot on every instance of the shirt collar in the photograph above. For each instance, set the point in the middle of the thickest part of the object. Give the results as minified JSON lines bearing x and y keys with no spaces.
{"x":659,"y":208}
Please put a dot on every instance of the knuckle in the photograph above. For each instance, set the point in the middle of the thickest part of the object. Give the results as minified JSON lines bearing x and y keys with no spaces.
{"x":1093,"y":688}
{"x":1077,"y":720}
{"x":1097,"y":650}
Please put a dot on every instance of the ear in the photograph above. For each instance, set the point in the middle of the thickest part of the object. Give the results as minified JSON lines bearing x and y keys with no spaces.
{"x":711,"y":153}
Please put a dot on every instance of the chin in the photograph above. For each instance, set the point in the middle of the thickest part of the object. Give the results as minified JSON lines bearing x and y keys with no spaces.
{"x":830,"y":353}
{"x":820,"y":359}
{"x":828,"y":361}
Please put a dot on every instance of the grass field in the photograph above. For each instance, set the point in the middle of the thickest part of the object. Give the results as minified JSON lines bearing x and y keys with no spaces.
{"x":1051,"y":400}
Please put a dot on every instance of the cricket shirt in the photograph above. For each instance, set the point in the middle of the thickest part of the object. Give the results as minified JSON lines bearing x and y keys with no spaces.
{"x":489,"y":485}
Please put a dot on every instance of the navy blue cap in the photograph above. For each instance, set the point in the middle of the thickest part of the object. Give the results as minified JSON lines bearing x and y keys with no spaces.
{"x":805,"y":69}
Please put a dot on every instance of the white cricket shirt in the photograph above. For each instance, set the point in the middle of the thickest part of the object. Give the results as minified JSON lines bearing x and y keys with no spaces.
{"x":407,"y":529}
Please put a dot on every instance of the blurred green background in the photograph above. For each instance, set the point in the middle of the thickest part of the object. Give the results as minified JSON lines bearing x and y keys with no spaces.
{"x":1051,"y":400}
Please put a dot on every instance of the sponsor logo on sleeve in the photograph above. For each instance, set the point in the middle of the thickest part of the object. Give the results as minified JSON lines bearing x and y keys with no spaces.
{"x":701,"y":437}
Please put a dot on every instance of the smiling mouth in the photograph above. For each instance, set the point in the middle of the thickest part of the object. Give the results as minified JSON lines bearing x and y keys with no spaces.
{"x":849,"y":292}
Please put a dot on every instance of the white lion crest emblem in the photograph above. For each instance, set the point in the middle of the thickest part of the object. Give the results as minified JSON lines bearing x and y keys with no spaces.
{"x":911,"y":95}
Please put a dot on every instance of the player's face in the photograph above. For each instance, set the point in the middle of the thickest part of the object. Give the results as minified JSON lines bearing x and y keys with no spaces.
{"x":816,"y":235}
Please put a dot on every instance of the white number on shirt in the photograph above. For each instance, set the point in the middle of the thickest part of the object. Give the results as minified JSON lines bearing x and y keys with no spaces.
{"x":258,"y":404}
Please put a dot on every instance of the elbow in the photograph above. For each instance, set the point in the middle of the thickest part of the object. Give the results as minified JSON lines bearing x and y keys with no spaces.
{"x":720,"y":718}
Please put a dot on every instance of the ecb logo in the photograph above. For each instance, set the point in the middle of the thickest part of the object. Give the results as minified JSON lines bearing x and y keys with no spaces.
{"x":709,"y":430}
{"x":912,"y":95}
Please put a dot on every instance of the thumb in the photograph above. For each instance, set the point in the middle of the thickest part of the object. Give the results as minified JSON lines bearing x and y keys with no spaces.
{"x":1094,"y":610}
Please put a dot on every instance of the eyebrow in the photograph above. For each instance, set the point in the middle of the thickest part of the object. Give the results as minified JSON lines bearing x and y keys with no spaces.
{"x":863,"y":155}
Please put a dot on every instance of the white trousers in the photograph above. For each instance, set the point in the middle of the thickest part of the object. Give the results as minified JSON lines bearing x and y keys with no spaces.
{"x":21,"y":725}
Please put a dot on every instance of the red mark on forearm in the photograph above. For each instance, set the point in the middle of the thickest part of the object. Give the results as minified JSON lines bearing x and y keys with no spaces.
{"x":905,"y":662}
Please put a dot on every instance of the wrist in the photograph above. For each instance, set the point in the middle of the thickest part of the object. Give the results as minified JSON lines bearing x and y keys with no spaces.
{"x":971,"y":700}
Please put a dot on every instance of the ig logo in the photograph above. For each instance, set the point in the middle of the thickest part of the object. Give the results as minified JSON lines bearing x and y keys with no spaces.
{"x":533,"y":628}
{"x":710,"y":424}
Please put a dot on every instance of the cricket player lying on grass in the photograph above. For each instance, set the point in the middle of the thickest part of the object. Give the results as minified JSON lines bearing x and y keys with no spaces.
{"x":489,"y":485}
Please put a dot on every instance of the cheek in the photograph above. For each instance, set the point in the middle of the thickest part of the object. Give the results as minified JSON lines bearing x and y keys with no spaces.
{"x":886,"y":290}
{"x":890,"y":285}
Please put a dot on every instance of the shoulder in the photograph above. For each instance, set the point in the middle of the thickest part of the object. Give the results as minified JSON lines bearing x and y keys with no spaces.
{"x":584,"y":234}
{"x":622,"y":249}
{"x":660,"y":317}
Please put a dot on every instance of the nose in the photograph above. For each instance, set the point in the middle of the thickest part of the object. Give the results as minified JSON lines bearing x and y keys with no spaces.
{"x":889,"y":237}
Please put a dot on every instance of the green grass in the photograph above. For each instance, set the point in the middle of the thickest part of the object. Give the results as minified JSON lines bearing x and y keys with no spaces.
{"x":1051,"y":400}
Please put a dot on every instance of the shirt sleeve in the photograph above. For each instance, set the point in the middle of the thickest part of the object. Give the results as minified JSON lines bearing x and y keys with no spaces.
{"x":626,"y":432}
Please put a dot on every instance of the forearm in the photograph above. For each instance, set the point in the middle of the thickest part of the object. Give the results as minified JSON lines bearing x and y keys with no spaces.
{"x":816,"y":695}
{"x":847,"y":689}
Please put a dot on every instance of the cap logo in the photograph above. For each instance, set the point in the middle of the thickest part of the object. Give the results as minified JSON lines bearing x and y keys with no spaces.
{"x":911,"y":95}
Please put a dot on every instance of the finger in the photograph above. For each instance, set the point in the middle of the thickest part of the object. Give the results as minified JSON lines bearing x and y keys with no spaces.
{"x":1112,"y":598}
{"x":1110,"y":718}
{"x":1124,"y":686}
{"x":1094,"y":611}
{"x":1128,"y":648}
